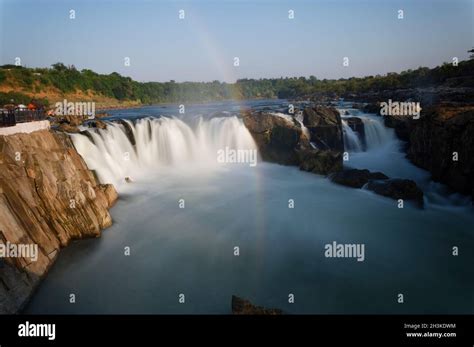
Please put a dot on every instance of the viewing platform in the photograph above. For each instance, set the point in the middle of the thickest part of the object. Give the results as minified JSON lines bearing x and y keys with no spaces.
{"x":22,"y":121}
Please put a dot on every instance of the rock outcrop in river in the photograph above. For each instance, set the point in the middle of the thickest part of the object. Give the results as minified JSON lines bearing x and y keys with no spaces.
{"x":48,"y":197}
{"x":316,"y":146}
{"x":380,"y":184}
{"x":442,"y":142}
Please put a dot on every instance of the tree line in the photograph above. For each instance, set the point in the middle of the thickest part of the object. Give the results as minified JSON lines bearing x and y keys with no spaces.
{"x":69,"y":79}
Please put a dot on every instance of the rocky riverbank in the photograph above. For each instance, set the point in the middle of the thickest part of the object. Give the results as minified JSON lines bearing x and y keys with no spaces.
{"x":313,"y":140}
{"x":441,"y":141}
{"x":48,"y":197}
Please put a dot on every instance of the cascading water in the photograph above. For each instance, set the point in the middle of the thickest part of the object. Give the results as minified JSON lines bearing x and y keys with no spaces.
{"x":190,"y":250}
{"x":351,"y":138}
{"x":299,"y":119}
{"x":159,"y":143}
{"x":376,"y":135}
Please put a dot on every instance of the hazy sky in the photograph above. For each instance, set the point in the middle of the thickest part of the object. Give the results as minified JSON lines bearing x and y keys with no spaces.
{"x":202,"y":46}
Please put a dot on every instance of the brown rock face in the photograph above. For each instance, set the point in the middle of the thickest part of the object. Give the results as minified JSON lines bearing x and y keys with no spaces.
{"x":283,"y":141}
{"x":48,"y":197}
{"x":402,"y":125}
{"x":244,"y":307}
{"x":325,"y":127}
{"x":434,"y":139}
{"x":275,"y":136}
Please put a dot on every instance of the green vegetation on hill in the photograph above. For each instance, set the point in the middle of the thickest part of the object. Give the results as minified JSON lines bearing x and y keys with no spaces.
{"x":69,"y":79}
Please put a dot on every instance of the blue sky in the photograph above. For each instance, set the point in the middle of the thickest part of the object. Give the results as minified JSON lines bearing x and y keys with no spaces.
{"x":202,"y":47}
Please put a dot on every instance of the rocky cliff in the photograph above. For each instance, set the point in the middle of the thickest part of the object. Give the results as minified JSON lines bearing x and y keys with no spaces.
{"x":48,"y":197}
{"x":442,"y":142}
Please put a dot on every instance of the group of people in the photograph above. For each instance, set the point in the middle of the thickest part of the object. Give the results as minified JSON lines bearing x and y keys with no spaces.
{"x":11,"y":114}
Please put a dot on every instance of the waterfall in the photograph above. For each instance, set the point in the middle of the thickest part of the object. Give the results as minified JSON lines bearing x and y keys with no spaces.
{"x":351,"y":139}
{"x":152,"y":144}
{"x":376,"y":135}
{"x":299,"y":119}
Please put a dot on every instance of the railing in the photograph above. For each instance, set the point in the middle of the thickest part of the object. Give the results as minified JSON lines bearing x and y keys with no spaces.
{"x":10,"y":118}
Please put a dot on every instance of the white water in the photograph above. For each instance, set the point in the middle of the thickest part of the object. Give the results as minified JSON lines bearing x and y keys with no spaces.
{"x":385,"y":153}
{"x":190,"y":250}
{"x":352,"y":141}
{"x":376,"y":135}
{"x":161,"y":144}
{"x":298,"y":117}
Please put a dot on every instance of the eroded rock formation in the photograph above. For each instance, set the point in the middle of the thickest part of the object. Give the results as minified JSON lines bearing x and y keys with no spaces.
{"x":442,"y":142}
{"x":284,"y":141}
{"x":48,"y":197}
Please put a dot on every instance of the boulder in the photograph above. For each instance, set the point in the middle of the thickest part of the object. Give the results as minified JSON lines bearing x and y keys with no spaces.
{"x":372,"y":108}
{"x":72,"y":129}
{"x":318,"y":161}
{"x":276,"y":137}
{"x":325,"y":127}
{"x":99,"y":124}
{"x":74,"y":120}
{"x":356,"y":178}
{"x":244,"y":307}
{"x":396,"y":188}
{"x":281,"y":140}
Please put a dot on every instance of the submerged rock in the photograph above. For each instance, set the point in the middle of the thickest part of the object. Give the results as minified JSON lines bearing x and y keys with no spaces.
{"x":396,"y":188}
{"x":244,"y":307}
{"x":356,"y":178}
